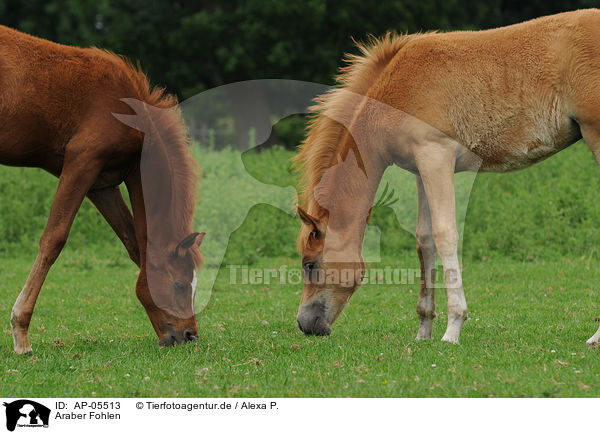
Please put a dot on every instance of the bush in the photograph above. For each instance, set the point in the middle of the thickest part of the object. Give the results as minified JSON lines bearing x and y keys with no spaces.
{"x":27,"y":196}
{"x":548,"y":211}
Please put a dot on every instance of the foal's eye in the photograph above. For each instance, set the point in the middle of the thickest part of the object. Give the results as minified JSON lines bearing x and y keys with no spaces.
{"x":316,"y":235}
{"x":308,"y":266}
{"x":180,"y":287}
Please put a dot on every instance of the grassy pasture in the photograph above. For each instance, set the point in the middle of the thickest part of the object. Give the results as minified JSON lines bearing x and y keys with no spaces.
{"x":530,"y":264}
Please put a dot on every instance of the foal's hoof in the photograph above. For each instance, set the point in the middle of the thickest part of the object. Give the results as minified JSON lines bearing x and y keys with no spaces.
{"x":24,"y":351}
{"x":22,"y":345}
{"x":593,"y":343}
{"x":450,"y":339}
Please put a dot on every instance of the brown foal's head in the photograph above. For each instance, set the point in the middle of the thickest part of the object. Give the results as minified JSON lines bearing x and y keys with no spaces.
{"x":166,"y":288}
{"x":332,"y":272}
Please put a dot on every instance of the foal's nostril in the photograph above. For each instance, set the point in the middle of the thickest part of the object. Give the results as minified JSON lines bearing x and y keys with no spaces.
{"x":167,"y":341}
{"x":321,"y":328}
{"x":189,"y":336}
{"x":318,"y":326}
{"x":315,"y":324}
{"x":312,"y":319}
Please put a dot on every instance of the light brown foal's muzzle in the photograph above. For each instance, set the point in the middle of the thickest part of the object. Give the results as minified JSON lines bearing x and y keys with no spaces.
{"x":313,"y":319}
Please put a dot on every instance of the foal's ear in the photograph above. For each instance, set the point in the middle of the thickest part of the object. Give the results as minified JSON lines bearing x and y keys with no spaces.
{"x":188,"y":242}
{"x":308,"y":220}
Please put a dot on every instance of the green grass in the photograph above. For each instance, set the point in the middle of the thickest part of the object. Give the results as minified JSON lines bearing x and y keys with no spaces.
{"x":525,"y":337}
{"x":530,"y":271}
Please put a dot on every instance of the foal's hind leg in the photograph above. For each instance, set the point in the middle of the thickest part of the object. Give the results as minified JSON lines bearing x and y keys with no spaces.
{"x":79,"y":173}
{"x":426,"y":252}
{"x":113,"y":208}
{"x":594,"y":340}
{"x":591,"y":135}
{"x":436,"y":163}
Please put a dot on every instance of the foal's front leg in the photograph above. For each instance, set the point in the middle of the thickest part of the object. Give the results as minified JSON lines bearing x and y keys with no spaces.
{"x":426,"y":252}
{"x":594,"y":340}
{"x":436,"y":163}
{"x":591,"y":135}
{"x":110,"y":204}
{"x":76,"y":178}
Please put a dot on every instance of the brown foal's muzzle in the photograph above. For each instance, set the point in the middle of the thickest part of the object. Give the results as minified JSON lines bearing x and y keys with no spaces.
{"x":178,"y":333}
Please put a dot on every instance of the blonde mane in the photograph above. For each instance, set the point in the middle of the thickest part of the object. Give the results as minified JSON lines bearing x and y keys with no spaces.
{"x":319,"y":150}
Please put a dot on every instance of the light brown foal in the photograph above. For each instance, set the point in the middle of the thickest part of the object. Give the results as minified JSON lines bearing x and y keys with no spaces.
{"x":436,"y":104}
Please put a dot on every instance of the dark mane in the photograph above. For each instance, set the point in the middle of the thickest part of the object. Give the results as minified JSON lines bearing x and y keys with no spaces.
{"x":170,"y":148}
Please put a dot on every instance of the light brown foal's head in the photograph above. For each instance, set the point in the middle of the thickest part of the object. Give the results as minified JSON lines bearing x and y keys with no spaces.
{"x":332,"y":270}
{"x":166,"y":288}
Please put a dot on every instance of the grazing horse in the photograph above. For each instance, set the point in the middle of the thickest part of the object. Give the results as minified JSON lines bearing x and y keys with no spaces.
{"x":435,"y":104}
{"x":59,"y":107}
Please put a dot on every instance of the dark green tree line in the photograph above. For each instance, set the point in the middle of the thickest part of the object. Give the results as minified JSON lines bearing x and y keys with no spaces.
{"x":191,"y":46}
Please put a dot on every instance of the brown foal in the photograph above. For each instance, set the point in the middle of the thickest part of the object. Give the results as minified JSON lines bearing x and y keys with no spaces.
{"x":57,"y":106}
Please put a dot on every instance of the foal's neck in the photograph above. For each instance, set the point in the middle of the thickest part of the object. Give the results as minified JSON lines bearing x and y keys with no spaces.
{"x":347,"y":190}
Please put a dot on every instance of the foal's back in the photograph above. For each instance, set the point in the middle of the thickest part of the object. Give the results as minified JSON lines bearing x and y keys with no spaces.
{"x":50,"y":92}
{"x":512,"y":95}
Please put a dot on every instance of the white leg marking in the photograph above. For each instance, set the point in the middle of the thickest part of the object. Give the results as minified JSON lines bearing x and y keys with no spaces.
{"x":594,"y":339}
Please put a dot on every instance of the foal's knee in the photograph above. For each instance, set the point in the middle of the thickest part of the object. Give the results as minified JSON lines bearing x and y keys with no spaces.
{"x":18,"y":319}
{"x":425,"y":309}
{"x":134,"y":255}
{"x":446,"y":241}
{"x":425,"y":241}
{"x":457,"y":307}
{"x":50,"y":247}
{"x":133,"y":250}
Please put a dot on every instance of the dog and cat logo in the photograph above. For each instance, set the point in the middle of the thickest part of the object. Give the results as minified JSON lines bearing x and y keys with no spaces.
{"x":26,"y":413}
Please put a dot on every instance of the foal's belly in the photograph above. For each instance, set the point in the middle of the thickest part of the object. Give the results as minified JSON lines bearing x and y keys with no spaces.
{"x":519,"y":151}
{"x":25,"y":141}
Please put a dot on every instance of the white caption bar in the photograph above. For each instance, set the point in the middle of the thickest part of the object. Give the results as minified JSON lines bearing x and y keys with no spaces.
{"x":164,"y":415}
